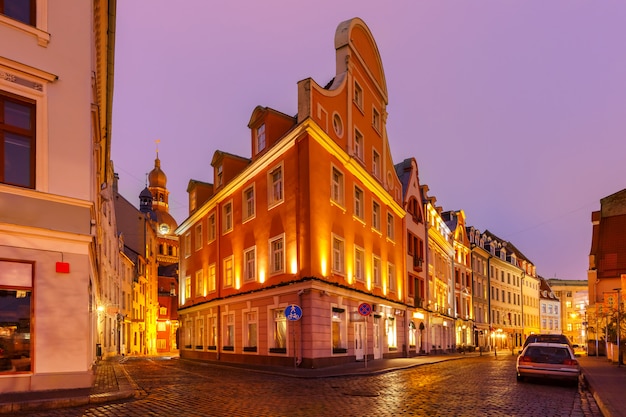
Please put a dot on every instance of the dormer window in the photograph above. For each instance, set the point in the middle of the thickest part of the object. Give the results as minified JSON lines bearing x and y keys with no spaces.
{"x":220,"y":180}
{"x":260,"y":138}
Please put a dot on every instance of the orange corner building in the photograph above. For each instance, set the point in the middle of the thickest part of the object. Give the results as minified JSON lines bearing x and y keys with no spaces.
{"x":281,"y":250}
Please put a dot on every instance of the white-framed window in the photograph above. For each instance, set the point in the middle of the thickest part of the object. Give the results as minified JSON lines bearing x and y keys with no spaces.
{"x":338,"y":255}
{"x":358,"y":144}
{"x":376,"y":270}
{"x":249,"y":264}
{"x":260,"y":138}
{"x":212,"y":278}
{"x":276,"y":188}
{"x":199,"y":333}
{"x":337,"y":124}
{"x":376,"y":119}
{"x":338,"y":330}
{"x":199,"y":240}
{"x":390,"y":227}
{"x":279,"y":331}
{"x":358,"y":95}
{"x":187,"y":244}
{"x":277,"y":254}
{"x":376,"y":163}
{"x":391,"y":277}
{"x":212,"y":335}
{"x":359,"y":203}
{"x":212,"y":229}
{"x":28,"y":16}
{"x":392,"y":339}
{"x":227,"y":217}
{"x":228,"y":272}
{"x":220,"y":176}
{"x":200,"y":289}
{"x":187,"y":288}
{"x":359,"y":264}
{"x":337,"y":186}
{"x":376,"y":215}
{"x":229,"y":331}
{"x":248,"y":203}
{"x":251,"y":330}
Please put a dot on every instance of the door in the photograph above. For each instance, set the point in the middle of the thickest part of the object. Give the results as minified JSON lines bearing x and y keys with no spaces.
{"x":359,"y":340}
{"x":376,"y":337}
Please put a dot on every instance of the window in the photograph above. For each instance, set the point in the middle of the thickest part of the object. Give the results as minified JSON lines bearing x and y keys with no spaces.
{"x":338,"y":125}
{"x":199,"y":236}
{"x":249,"y":265}
{"x":199,"y":333}
{"x":211,"y":226}
{"x":391,"y":277}
{"x":250,"y":342}
{"x":187,"y":245}
{"x":228,"y":272}
{"x":375,"y":119}
{"x":359,"y":264}
{"x":200,"y":290}
{"x":229,"y":331}
{"x":279,"y":332}
{"x":358,"y":144}
{"x":358,"y":95}
{"x":358,"y":203}
{"x":260,"y":138}
{"x":187,"y":288}
{"x":227,"y":217}
{"x":22,"y":11}
{"x":277,"y":255}
{"x":338,"y":255}
{"x":248,"y":203}
{"x":17,"y":140}
{"x":376,"y":215}
{"x":16,"y":294}
{"x":375,"y":163}
{"x":392,"y":340}
{"x":338,"y":328}
{"x":212,"y":342}
{"x":390,"y":226}
{"x":337,"y":186}
{"x":220,"y":177}
{"x":376,"y":271}
{"x":211,"y":279}
{"x":275,"y":178}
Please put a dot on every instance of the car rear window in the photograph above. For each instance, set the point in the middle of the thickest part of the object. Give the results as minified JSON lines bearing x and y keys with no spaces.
{"x":544,"y":354}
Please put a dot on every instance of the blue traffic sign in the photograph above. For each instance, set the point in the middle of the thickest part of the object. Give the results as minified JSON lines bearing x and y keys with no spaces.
{"x":293,"y":312}
{"x":365,"y":309}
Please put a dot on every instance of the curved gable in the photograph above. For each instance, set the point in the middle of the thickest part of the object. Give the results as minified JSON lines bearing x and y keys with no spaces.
{"x":353,"y":39}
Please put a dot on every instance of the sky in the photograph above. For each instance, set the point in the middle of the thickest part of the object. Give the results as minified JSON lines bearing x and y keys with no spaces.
{"x":514,"y":110}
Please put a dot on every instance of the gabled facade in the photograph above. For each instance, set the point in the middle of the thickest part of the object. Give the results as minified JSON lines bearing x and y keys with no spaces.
{"x":480,"y":289}
{"x":312,"y":219}
{"x":550,"y":309}
{"x":415,"y":243}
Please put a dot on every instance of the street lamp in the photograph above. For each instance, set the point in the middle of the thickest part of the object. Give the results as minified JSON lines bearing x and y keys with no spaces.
{"x":619,"y":357}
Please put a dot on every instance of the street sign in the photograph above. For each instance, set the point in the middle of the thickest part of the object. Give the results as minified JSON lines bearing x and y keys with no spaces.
{"x":293,"y":312}
{"x":365,"y":309}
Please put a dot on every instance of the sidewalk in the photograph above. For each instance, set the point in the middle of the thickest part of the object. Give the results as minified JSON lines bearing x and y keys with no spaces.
{"x":606,"y":382}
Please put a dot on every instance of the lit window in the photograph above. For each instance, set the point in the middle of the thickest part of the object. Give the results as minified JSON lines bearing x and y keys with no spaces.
{"x":212,"y":342}
{"x":338,"y":329}
{"x":251,"y":330}
{"x":277,"y":255}
{"x":337,"y":186}
{"x":338,"y":255}
{"x":358,"y":144}
{"x":260,"y":138}
{"x":187,"y":288}
{"x":275,"y":178}
{"x":391,"y":332}
{"x":16,"y":295}
{"x":249,"y":264}
{"x":376,"y":215}
{"x":199,"y":333}
{"x":228,"y":272}
{"x":248,"y":203}
{"x":359,"y":264}
{"x":17,"y":140}
{"x":229,"y":331}
{"x":199,"y":236}
{"x":279,"y":331}
{"x":200,"y":283}
{"x":358,"y":203}
{"x":227,"y":213}
{"x":211,"y":282}
{"x":376,"y":271}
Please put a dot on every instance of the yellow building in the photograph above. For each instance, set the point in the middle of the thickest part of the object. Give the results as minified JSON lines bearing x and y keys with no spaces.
{"x":296,"y":255}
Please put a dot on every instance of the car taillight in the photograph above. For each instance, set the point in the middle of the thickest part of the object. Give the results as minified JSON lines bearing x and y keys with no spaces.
{"x":525,"y":359}
{"x":570,"y":362}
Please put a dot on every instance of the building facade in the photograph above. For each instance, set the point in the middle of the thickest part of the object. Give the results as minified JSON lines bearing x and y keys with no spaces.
{"x":574,"y":298}
{"x":55,"y":124}
{"x":550,"y":309}
{"x":289,"y":243}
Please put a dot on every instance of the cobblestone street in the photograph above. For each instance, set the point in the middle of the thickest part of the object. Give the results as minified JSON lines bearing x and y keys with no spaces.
{"x":479,"y":386}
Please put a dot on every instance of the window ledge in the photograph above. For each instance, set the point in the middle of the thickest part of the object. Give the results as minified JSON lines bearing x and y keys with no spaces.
{"x":43,"y":38}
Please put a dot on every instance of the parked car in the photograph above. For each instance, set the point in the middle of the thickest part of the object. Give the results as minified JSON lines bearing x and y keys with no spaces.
{"x":579,"y":350}
{"x":548,"y":361}
{"x":547,"y":338}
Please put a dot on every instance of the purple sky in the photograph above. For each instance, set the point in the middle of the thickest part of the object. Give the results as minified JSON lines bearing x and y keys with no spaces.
{"x":514,"y":110}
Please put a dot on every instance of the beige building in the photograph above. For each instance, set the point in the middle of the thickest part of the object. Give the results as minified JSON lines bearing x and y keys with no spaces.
{"x":56,"y":144}
{"x":574,"y":300}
